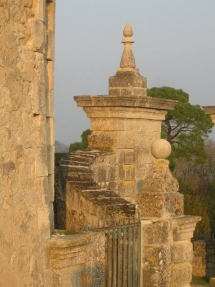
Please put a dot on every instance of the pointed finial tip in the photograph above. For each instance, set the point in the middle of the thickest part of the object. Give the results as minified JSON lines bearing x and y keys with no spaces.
{"x":128,"y":32}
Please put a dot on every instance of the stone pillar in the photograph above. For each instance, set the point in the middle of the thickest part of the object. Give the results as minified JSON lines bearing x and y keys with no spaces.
{"x":26,"y":141}
{"x":126,"y":122}
{"x":166,"y":233}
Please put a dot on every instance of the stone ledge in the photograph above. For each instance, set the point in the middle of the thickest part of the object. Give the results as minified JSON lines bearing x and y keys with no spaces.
{"x":111,"y":101}
{"x":209,"y":110}
{"x":184,"y":226}
{"x":67,"y":241}
{"x":157,"y":204}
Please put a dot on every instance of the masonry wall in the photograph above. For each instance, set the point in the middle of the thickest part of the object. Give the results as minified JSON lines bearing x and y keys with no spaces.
{"x":26,"y":140}
{"x":78,"y":260}
{"x":130,"y":140}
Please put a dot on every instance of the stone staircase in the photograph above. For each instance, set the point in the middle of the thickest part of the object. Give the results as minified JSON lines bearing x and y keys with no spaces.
{"x":99,"y":203}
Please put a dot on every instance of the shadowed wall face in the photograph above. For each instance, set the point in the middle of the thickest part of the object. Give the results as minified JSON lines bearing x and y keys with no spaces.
{"x":27,"y":140}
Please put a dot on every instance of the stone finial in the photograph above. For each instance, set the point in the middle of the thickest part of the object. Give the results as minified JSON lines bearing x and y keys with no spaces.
{"x":161,"y":149}
{"x":127,"y":60}
{"x":128,"y":32}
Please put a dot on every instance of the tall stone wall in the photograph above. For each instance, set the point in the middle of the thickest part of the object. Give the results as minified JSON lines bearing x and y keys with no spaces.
{"x":26,"y":140}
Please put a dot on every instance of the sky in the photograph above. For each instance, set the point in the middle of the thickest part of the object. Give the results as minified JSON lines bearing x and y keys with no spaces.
{"x":174,"y":46}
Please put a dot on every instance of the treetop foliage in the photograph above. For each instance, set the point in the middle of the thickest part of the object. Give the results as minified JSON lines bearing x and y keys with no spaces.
{"x":169,"y":93}
{"x":186,"y":127}
{"x":80,"y":145}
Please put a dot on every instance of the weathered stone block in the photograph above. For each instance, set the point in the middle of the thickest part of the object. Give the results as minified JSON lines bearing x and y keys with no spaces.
{"x":129,"y":188}
{"x":41,"y":70}
{"x":182,"y":252}
{"x":39,"y":126}
{"x":40,"y":10}
{"x":121,"y":172}
{"x":129,"y":172}
{"x":101,"y":142}
{"x":181,"y":274}
{"x":152,"y":204}
{"x":155,"y":276}
{"x":130,"y":125}
{"x":102,"y":175}
{"x":41,"y":167}
{"x":50,"y":131}
{"x":50,"y":158}
{"x":156,"y":233}
{"x":126,"y":140}
{"x":78,"y":260}
{"x":127,"y":79}
{"x":51,"y":5}
{"x":38,"y":98}
{"x":42,"y":187}
{"x":51,"y":49}
{"x":43,"y":223}
{"x":37,"y":39}
{"x":50,"y":104}
{"x":129,"y":156}
{"x":50,"y":71}
{"x":155,"y":256}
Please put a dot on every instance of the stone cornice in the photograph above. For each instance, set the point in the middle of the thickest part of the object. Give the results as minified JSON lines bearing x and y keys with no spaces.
{"x":209,"y":110}
{"x":134,"y":102}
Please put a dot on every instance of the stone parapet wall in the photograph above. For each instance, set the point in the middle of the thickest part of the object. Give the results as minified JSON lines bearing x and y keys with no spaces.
{"x":27,"y":140}
{"x":167,"y":258}
{"x":78,"y":260}
{"x":84,"y":192}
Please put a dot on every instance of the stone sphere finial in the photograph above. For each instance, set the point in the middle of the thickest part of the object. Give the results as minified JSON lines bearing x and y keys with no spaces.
{"x":128,"y":32}
{"x":161,"y":149}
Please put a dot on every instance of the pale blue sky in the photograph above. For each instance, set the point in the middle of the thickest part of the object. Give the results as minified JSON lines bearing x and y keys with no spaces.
{"x":174,"y":46}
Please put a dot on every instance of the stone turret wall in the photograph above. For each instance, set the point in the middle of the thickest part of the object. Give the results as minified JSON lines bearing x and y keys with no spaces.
{"x":26,"y":140}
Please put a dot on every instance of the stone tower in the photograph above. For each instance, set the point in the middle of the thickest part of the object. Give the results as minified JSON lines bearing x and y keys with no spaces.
{"x":125,"y":171}
{"x":125,"y":122}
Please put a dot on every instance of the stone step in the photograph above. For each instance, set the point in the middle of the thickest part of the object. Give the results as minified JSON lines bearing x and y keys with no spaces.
{"x":82,"y":185}
{"x":110,"y":201}
{"x":78,"y":176}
